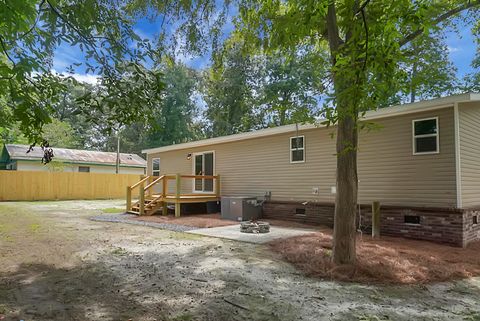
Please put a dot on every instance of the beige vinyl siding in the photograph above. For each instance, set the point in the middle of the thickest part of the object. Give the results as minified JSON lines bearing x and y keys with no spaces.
{"x":388,"y":170}
{"x":390,"y":173}
{"x":469,"y":135}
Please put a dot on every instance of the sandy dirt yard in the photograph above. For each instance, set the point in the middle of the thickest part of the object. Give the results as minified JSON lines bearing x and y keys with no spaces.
{"x":56,"y":264}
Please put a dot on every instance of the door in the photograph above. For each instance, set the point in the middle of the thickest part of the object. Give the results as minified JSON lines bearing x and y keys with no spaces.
{"x":204,"y":164}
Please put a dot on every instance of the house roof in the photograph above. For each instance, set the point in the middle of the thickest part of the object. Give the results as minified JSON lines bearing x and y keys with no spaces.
{"x":392,"y":111}
{"x":19,"y":152}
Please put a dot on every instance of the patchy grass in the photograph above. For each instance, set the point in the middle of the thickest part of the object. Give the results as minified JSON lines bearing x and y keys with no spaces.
{"x":34,"y":227}
{"x":113,"y":210}
{"x":389,"y":260}
{"x":119,"y":251}
{"x":195,"y":220}
{"x":183,"y":317}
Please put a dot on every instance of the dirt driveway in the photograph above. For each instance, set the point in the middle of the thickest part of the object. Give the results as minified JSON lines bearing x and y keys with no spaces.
{"x":56,"y":264}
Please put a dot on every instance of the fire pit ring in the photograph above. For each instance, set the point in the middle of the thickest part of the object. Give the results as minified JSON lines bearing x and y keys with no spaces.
{"x":254,"y":227}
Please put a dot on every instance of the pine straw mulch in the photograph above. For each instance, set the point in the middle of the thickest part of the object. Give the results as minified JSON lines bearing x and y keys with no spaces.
{"x":386,"y":261}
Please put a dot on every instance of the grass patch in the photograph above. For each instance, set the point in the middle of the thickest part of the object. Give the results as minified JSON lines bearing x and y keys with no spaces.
{"x":34,"y":227}
{"x":183,"y":317}
{"x":113,"y":210}
{"x":119,"y":251}
{"x":184,"y":236}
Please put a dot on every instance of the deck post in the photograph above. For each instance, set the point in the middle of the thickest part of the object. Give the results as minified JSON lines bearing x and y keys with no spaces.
{"x":217,"y":186}
{"x":178,"y":191}
{"x":129,"y":199}
{"x":376,"y":219}
{"x":164,"y":194}
{"x":141,"y":200}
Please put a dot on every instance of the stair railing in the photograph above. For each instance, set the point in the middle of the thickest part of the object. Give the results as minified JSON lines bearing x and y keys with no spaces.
{"x":139,"y":184}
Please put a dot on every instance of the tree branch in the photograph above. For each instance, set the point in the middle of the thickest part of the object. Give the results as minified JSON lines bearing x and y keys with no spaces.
{"x":410,"y":37}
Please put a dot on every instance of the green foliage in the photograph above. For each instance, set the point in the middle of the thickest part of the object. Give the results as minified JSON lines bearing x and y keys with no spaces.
{"x":29,"y":34}
{"x":60,"y":134}
{"x":368,"y":56}
{"x":291,"y":84}
{"x":174,"y":119}
{"x":56,"y":166}
{"x":228,"y":92}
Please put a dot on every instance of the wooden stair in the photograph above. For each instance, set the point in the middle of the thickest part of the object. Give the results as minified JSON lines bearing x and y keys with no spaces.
{"x":153,"y":203}
{"x":152,"y":206}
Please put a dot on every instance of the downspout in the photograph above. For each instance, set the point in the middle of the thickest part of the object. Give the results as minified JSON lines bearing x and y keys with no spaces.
{"x":458,"y":173}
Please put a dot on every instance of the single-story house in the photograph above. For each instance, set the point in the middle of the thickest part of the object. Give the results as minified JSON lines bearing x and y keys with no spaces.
{"x":422,"y":164}
{"x":15,"y":157}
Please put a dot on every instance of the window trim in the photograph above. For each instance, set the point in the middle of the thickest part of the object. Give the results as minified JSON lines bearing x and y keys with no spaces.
{"x":414,"y":137}
{"x":153,"y":171}
{"x":292,"y":149}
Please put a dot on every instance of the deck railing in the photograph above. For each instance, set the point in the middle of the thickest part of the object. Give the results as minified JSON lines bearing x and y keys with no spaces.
{"x":146,"y":189}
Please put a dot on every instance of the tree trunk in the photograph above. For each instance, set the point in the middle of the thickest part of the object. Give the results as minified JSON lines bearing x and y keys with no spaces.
{"x":344,"y":234}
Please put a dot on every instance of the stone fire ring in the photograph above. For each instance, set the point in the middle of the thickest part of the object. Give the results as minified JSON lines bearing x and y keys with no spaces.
{"x":254,"y":227}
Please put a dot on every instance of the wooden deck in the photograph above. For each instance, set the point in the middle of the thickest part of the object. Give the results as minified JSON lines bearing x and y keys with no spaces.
{"x":150,"y":200}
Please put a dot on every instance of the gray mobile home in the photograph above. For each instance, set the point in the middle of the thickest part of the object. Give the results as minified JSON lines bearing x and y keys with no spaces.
{"x":422,"y":164}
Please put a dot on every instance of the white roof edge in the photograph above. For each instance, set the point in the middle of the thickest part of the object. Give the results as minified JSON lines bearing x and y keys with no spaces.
{"x":392,"y":111}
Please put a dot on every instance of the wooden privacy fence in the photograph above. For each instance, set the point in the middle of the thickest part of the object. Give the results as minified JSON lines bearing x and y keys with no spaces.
{"x":31,"y":186}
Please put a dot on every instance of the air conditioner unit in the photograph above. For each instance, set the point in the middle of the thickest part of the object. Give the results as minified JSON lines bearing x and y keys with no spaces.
{"x":241,"y":208}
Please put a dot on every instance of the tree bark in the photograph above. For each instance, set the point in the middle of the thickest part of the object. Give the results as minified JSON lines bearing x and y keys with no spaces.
{"x":344,"y":234}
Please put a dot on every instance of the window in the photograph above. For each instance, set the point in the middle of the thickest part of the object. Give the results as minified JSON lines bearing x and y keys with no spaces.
{"x":156,"y":167}
{"x":411,"y":219}
{"x":425,"y":136}
{"x":475,"y":219}
{"x":83,"y":169}
{"x":297,"y":149}
{"x":300,"y":211}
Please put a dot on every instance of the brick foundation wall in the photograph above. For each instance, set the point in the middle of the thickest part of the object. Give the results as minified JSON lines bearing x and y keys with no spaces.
{"x":441,"y":225}
{"x":471,"y":231}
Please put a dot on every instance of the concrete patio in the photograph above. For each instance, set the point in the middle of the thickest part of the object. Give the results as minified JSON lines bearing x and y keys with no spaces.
{"x":232,"y":232}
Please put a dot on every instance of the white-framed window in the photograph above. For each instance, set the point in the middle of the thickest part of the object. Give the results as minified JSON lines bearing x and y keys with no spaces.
{"x":297,"y":149}
{"x":83,"y":169}
{"x":425,"y":136}
{"x":156,"y":167}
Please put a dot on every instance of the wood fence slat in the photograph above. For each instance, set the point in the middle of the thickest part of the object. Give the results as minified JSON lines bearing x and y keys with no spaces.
{"x":30,"y":185}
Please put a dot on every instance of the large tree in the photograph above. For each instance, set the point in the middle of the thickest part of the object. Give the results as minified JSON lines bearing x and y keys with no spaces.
{"x":367,"y":41}
{"x":228,"y":92}
{"x":290,"y":85}
{"x":30,"y":34}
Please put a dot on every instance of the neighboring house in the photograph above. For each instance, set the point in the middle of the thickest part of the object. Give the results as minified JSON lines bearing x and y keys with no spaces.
{"x":15,"y":157}
{"x":422,"y":164}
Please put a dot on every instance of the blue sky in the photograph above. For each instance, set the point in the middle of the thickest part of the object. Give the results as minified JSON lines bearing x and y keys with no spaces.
{"x":461,"y":47}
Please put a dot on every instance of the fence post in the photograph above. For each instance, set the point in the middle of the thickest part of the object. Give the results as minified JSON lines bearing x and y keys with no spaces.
{"x":376,"y":219}
{"x":178,"y":191}
{"x":217,"y":186}
{"x":142,"y":197}
{"x":129,"y":199}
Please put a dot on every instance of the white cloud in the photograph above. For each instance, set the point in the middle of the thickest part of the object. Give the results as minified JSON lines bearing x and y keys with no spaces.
{"x":453,"y":49}
{"x":85,"y":78}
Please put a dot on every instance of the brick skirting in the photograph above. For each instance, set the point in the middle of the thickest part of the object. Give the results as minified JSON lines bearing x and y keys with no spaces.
{"x":441,"y":225}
